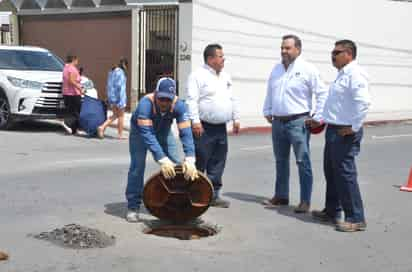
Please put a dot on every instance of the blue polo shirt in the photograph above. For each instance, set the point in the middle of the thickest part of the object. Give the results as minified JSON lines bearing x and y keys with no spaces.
{"x":154,"y":125}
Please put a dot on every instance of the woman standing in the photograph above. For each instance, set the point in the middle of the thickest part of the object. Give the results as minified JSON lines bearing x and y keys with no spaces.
{"x":72,"y":91}
{"x":116,"y":95}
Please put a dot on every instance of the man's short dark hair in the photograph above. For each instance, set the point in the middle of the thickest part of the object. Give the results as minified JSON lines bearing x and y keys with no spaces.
{"x":298,"y":42}
{"x":210,"y":51}
{"x":348,"y":44}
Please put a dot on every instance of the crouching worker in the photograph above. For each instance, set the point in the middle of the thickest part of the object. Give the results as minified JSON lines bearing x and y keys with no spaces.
{"x":150,"y":129}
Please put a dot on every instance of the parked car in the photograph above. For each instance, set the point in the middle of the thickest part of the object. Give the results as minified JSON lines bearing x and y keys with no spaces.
{"x":31,"y":85}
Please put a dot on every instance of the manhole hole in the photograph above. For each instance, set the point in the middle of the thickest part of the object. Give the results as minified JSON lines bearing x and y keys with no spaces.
{"x":182,"y":232}
{"x":77,"y":237}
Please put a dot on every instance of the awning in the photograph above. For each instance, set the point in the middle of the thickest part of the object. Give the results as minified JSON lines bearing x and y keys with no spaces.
{"x":68,"y":4}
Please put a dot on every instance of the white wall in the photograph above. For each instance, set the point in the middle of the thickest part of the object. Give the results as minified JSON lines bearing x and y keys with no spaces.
{"x":251,"y":31}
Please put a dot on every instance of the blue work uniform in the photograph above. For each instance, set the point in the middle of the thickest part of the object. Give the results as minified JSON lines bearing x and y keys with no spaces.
{"x":150,"y":130}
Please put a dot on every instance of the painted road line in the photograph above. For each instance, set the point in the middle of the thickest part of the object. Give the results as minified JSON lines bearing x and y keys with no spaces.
{"x":254,"y":148}
{"x":391,"y":136}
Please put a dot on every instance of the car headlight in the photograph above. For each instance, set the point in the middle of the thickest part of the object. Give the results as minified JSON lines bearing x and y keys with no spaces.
{"x":22,"y":83}
{"x":88,"y":84}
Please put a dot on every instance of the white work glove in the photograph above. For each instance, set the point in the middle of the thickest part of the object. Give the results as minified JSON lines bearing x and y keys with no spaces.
{"x":167,"y":167}
{"x":189,"y":169}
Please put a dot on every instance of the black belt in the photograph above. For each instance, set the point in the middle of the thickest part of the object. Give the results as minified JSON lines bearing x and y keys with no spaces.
{"x":288,"y":118}
{"x":338,"y":126}
{"x":212,"y":125}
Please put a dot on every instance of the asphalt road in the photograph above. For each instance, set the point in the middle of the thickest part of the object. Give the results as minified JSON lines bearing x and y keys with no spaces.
{"x":49,"y":180}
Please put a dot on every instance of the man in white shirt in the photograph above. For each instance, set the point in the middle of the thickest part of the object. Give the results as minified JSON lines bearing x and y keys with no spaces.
{"x":344,"y":112}
{"x":291,"y":87}
{"x":211,"y":105}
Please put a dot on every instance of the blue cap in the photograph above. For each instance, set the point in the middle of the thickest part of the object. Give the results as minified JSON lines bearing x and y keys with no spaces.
{"x":166,"y":88}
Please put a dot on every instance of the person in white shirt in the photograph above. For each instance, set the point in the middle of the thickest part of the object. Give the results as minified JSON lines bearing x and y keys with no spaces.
{"x":344,"y":112}
{"x":291,"y":87}
{"x":211,"y":105}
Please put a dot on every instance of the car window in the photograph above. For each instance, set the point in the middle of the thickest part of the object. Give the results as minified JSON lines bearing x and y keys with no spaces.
{"x":29,"y":60}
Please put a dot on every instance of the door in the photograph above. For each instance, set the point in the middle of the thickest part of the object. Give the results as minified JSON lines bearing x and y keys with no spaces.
{"x":158,"y":46}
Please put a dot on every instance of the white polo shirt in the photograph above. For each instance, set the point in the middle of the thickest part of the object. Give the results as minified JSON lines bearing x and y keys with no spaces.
{"x":291,"y":91}
{"x":349,"y":99}
{"x":210,"y":97}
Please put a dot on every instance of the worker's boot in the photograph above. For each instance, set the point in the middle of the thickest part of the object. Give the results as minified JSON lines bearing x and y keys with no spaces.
{"x":132,"y":215}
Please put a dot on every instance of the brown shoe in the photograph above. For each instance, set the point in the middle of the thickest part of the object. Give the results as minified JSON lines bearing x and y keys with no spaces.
{"x":351,"y":227}
{"x":303,"y":207}
{"x":276,"y":201}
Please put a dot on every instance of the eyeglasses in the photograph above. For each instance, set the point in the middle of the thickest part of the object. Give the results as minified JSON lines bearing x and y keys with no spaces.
{"x":337,"y":52}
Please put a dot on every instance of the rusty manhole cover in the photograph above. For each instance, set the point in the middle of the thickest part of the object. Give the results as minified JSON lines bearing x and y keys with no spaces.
{"x":178,"y":203}
{"x":177,"y":199}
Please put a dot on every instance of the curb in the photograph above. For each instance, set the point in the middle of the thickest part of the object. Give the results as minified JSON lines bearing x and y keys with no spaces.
{"x":268,"y":129}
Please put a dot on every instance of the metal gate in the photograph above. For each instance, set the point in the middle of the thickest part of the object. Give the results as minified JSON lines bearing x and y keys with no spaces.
{"x":158,"y":46}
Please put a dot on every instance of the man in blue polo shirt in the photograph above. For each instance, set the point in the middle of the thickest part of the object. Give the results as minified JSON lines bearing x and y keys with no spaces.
{"x":150,"y":129}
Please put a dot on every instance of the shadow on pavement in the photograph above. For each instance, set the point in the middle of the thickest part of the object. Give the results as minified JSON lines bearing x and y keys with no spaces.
{"x":245,"y":197}
{"x":119,"y":209}
{"x":289,"y":211}
{"x":282,"y":210}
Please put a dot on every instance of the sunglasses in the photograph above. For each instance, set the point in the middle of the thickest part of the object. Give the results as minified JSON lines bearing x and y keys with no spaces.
{"x":337,"y":52}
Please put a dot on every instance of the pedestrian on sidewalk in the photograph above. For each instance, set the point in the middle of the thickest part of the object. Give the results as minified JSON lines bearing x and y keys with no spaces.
{"x":212,"y":104}
{"x":151,"y":130}
{"x":117,"y":98}
{"x":344,"y":113}
{"x":291,"y":87}
{"x":72,"y":91}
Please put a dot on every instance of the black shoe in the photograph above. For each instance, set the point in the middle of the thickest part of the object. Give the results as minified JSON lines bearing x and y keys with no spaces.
{"x":323,"y":216}
{"x":219,"y":203}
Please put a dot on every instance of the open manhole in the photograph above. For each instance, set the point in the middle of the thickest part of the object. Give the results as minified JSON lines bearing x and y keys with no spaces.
{"x":178,"y":203}
{"x":182,"y":232}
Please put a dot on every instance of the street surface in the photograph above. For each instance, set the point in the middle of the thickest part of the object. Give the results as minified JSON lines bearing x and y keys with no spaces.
{"x":49,"y":179}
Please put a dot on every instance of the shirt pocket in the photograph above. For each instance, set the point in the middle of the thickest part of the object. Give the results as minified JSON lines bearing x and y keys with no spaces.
{"x":297,"y":81}
{"x":275,"y":84}
{"x":340,"y":85}
{"x":207,"y":89}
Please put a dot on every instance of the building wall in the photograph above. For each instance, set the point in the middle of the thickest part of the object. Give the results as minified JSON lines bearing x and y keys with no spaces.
{"x":251,"y":32}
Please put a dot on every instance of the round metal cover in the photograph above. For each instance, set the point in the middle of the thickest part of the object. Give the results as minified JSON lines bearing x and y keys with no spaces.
{"x":177,"y":199}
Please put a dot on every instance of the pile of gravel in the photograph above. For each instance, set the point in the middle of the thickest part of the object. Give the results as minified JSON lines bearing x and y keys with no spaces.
{"x":77,"y":237}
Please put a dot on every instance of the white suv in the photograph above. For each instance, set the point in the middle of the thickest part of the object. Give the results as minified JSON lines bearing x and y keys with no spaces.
{"x":31,"y":84}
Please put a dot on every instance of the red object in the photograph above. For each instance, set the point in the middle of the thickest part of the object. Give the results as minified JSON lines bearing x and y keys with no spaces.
{"x":318,"y":129}
{"x":408,"y":187}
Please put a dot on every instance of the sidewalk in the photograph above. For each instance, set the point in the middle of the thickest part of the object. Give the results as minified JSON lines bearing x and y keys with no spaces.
{"x":255,"y":125}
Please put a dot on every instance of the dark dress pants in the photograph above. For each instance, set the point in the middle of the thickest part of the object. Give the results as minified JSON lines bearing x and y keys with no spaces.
{"x":73,"y":105}
{"x":342,"y":188}
{"x":211,"y":152}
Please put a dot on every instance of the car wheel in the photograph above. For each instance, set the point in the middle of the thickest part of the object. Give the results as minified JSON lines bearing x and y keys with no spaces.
{"x":5,"y":115}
